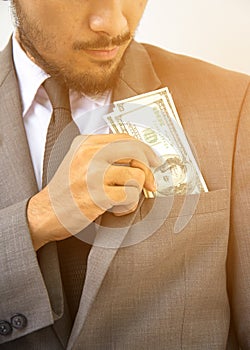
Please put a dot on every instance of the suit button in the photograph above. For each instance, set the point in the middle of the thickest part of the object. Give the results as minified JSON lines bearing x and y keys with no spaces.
{"x":18,"y":321}
{"x":5,"y":328}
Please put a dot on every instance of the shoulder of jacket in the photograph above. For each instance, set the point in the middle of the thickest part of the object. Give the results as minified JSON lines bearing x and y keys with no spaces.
{"x":165,"y":61}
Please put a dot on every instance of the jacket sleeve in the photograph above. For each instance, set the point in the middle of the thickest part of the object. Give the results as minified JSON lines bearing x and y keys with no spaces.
{"x":239,"y":243}
{"x":25,"y":305}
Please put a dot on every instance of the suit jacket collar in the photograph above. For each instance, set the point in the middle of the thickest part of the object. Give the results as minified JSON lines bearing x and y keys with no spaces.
{"x":6,"y":62}
{"x":137,"y":75}
{"x":15,"y":150}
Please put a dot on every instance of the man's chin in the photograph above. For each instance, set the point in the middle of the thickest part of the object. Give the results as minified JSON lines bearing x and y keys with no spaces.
{"x":93,"y":82}
{"x":90,"y":83}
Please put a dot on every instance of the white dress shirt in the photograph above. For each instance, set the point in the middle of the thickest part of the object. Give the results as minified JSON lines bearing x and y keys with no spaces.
{"x":86,"y":111}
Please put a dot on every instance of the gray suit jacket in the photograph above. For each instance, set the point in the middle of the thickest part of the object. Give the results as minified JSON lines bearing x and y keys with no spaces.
{"x":169,"y":291}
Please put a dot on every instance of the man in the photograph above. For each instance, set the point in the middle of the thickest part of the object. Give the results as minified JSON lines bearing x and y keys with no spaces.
{"x":168,"y":291}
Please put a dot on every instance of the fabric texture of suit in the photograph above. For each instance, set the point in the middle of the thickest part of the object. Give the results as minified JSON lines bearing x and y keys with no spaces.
{"x":170,"y":291}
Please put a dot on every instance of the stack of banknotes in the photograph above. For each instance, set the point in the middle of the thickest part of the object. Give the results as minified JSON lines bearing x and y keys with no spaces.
{"x":153,"y":119}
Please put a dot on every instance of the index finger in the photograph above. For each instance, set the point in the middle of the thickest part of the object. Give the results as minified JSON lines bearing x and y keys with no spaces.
{"x":123,"y":151}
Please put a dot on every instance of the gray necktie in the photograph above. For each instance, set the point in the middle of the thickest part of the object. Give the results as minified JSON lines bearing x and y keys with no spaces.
{"x":73,"y":253}
{"x":61,"y":131}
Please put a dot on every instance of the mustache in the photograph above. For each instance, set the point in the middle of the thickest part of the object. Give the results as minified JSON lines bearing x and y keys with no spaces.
{"x":102,"y":42}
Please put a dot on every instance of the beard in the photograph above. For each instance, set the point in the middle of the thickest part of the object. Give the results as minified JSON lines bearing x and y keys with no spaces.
{"x":31,"y":36}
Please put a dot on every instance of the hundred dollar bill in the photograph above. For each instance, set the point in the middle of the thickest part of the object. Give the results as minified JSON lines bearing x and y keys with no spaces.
{"x":144,"y":99}
{"x":154,"y":123}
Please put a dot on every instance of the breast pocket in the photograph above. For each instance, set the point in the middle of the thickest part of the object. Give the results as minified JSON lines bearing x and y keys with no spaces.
{"x":192,"y":240}
{"x":179,"y":216}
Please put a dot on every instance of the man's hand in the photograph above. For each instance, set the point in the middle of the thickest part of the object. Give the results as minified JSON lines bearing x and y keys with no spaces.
{"x":99,"y":173}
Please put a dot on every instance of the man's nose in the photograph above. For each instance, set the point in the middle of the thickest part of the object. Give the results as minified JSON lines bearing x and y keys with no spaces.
{"x":107,"y":17}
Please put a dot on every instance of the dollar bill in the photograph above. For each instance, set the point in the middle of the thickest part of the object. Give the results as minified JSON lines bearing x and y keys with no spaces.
{"x":153,"y":119}
{"x":144,"y":99}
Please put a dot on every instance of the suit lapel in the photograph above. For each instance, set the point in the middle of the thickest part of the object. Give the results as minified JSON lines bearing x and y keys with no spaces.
{"x":16,"y":164}
{"x":109,"y":237}
{"x":137,"y":76}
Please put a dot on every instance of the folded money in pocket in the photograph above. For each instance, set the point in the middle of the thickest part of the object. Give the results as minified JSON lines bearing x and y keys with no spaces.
{"x":153,"y":119}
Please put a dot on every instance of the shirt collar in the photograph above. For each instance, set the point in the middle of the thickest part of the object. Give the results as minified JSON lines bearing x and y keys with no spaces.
{"x":30,"y":76}
{"x":98,"y":101}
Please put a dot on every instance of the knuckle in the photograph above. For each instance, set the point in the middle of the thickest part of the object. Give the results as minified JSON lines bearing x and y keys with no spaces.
{"x":137,"y":174}
{"x":141,"y":177}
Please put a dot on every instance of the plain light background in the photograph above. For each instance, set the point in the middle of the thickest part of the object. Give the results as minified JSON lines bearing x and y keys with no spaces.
{"x":217,"y":31}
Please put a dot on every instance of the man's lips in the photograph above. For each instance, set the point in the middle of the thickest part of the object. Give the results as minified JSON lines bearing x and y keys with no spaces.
{"x":103,"y":54}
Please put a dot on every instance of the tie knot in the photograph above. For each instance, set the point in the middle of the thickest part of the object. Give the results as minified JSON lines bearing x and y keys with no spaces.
{"x":58,"y":93}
